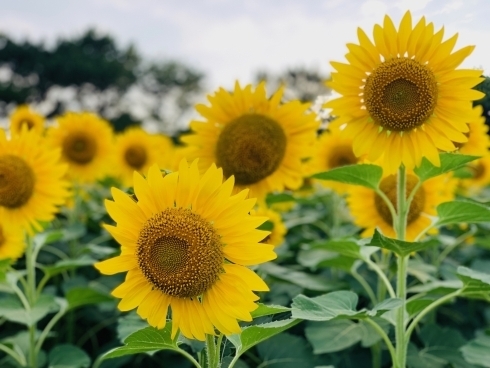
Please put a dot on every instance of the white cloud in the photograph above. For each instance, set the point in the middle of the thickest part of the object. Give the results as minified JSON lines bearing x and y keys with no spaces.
{"x":412,"y":5}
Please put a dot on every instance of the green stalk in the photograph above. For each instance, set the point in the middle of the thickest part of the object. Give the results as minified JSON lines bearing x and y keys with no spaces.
{"x":400,"y":224}
{"x":212,"y":350}
{"x":31,"y":297}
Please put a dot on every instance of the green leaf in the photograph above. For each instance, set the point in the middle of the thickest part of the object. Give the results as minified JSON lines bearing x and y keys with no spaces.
{"x":449,"y":162}
{"x":369,"y":336}
{"x":302,"y":279}
{"x":325,"y":307}
{"x":402,"y":248}
{"x":332,"y":336}
{"x":348,"y":248}
{"x":128,"y":324}
{"x":267,"y":226}
{"x":80,"y":296}
{"x":474,"y":281}
{"x":456,"y":212}
{"x":417,"y":305}
{"x":286,"y":351}
{"x":477,"y":351}
{"x":13,"y":310}
{"x":280,"y":198}
{"x":268,"y":310}
{"x":67,"y":264}
{"x":365,"y":175}
{"x":252,"y":335}
{"x":15,"y":352}
{"x":143,"y":341}
{"x":68,"y":356}
{"x":438,"y":287}
{"x":320,"y":258}
{"x":385,"y":306}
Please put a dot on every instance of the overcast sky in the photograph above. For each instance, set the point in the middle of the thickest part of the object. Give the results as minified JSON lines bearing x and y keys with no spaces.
{"x":233,"y":39}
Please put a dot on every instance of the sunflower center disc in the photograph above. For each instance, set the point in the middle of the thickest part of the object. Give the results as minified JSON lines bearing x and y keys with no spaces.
{"x":388,"y":187}
{"x":251,"y":148}
{"x":16,"y":181}
{"x":180,"y":253}
{"x":136,"y":157}
{"x":478,"y":170}
{"x":79,"y":148}
{"x":342,"y":156}
{"x":400,"y":94}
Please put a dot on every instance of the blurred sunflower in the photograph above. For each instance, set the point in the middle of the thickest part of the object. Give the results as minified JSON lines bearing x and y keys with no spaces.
{"x":480,"y":171}
{"x":370,"y":211}
{"x":478,"y":139}
{"x":86,"y":143}
{"x":31,"y":180}
{"x":402,"y":96}
{"x":185,"y":245}
{"x":12,"y":243}
{"x":332,"y":150}
{"x":257,"y":139}
{"x":136,"y":150}
{"x":24,"y":116}
{"x":275,"y":225}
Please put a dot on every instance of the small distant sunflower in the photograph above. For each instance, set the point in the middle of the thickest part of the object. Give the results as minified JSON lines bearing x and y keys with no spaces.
{"x":136,"y":150}
{"x":24,"y":116}
{"x":371,"y":212}
{"x":478,"y":139}
{"x":332,"y":150}
{"x":257,"y":139}
{"x":12,"y":243}
{"x":402,"y":97}
{"x":31,"y":180}
{"x":86,"y":143}
{"x":185,"y":244}
{"x":275,"y":225}
{"x":480,"y":171}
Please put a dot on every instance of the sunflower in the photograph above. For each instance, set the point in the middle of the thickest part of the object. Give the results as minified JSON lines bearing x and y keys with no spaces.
{"x":12,"y":243}
{"x":371,"y":212}
{"x":136,"y":150}
{"x":86,"y":143}
{"x":480,"y":171}
{"x":402,"y":97}
{"x":31,"y":180}
{"x":24,"y":116}
{"x":185,"y":244}
{"x":478,"y":140}
{"x":332,"y":150}
{"x":257,"y":139}
{"x":274,"y":225}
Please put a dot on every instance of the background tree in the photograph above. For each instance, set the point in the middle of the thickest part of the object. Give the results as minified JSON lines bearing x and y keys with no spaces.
{"x":91,"y":72}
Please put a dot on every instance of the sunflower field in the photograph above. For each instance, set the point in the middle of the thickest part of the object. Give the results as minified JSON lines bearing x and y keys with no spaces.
{"x":272,"y":234}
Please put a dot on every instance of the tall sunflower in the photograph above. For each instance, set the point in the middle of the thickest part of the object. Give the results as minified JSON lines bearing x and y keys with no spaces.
{"x":136,"y":150}
{"x":86,"y":143}
{"x":371,"y":212}
{"x":257,"y":139}
{"x":12,"y":243}
{"x":402,"y":97}
{"x":332,"y":150}
{"x":24,"y":116}
{"x":185,"y":244}
{"x":480,"y":171}
{"x":478,"y":139}
{"x":31,"y":180}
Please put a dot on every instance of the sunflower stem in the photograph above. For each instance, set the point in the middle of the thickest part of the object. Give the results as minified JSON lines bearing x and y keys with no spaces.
{"x":402,"y":263}
{"x":31,"y":297}
{"x":212,"y":352}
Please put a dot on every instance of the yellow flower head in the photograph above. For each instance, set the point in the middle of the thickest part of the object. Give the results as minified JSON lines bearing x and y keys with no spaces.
{"x":274,"y":225}
{"x":12,"y":243}
{"x":480,"y":170}
{"x":332,"y":150}
{"x":136,"y":150}
{"x":185,"y":244}
{"x":24,"y":116}
{"x":478,"y":139}
{"x":31,"y":180}
{"x":402,"y":97}
{"x":371,"y":212}
{"x":86,"y":143}
{"x":257,"y":139}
